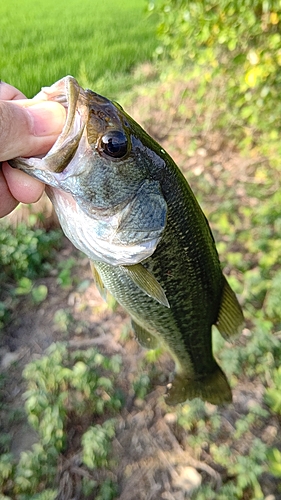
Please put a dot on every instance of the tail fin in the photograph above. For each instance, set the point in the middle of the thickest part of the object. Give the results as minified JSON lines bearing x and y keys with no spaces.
{"x":212,"y":387}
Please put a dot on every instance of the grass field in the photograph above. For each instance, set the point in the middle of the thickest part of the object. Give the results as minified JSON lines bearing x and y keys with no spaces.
{"x":97,"y":42}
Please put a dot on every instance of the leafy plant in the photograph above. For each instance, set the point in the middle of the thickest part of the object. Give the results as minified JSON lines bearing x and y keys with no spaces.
{"x":248,"y":469}
{"x":204,"y":434}
{"x":39,"y":293}
{"x":273,"y":393}
{"x":65,"y":267}
{"x":108,"y":490}
{"x":26,"y":252}
{"x":234,"y":48}
{"x":64,"y":385}
{"x":141,"y":385}
{"x":274,"y":457}
{"x":96,"y":444}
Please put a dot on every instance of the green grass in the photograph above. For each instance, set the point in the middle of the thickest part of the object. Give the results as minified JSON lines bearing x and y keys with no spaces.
{"x":98,"y":42}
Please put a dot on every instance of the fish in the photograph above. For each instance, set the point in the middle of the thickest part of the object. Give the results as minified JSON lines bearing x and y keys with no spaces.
{"x":121,"y":199}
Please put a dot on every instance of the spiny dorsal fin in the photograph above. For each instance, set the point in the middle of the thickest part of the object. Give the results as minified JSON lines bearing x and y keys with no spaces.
{"x":98,"y":281}
{"x":230,"y":318}
{"x":147,"y":283}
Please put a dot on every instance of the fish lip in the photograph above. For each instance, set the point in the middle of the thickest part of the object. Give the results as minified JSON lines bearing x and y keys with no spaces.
{"x":71,"y":96}
{"x":61,"y":91}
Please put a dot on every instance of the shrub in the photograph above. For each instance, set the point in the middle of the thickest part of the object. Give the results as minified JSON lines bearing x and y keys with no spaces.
{"x":236,"y":47}
{"x":63,"y":386}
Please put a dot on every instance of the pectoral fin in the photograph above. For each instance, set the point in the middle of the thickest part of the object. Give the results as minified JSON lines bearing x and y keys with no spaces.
{"x":147,"y":283}
{"x":230,"y":318}
{"x":98,"y":281}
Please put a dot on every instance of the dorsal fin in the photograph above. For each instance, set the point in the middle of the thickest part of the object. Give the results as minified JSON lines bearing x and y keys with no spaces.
{"x":147,"y":283}
{"x":230,"y":318}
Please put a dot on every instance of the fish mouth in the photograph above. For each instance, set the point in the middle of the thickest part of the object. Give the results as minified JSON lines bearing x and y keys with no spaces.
{"x":71,"y":96}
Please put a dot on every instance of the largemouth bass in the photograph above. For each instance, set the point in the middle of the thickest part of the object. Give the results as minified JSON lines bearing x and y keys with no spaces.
{"x":121,"y":199}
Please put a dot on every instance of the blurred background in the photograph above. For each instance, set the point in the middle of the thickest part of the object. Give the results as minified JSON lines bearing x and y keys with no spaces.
{"x":82,"y":410}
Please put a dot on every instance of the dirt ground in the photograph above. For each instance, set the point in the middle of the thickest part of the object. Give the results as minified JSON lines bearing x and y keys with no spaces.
{"x":154,"y":459}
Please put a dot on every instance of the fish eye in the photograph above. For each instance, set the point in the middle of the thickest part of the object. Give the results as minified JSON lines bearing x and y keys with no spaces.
{"x":114,"y":144}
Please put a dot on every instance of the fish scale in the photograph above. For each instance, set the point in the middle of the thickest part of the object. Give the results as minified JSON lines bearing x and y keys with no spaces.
{"x":122,"y":200}
{"x":185,"y":326}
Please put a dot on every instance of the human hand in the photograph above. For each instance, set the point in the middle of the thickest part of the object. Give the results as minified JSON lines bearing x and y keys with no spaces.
{"x":28,"y":127}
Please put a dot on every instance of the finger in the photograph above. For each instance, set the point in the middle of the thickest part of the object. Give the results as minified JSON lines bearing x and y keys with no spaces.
{"x":22,"y":187}
{"x":8,"y":202}
{"x":10,"y":93}
{"x":29,"y":130}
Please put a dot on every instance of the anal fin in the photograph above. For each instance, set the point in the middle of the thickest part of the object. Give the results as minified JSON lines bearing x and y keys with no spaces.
{"x":230,"y":319}
{"x":145,"y":338}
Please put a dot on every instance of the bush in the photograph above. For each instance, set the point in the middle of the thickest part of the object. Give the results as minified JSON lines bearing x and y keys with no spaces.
{"x":25,"y":252}
{"x":236,"y":47}
{"x":63,"y":387}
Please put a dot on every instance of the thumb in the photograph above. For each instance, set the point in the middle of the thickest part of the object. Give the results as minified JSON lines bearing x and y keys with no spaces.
{"x":28,"y":129}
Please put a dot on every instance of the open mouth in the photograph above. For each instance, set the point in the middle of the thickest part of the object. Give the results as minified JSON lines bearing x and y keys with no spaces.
{"x":69,"y":94}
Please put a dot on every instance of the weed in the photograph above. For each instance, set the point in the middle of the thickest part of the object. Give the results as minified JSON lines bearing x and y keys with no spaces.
{"x":232,"y":49}
{"x":274,"y":458}
{"x":26,"y":253}
{"x":64,"y":385}
{"x":273,"y":393}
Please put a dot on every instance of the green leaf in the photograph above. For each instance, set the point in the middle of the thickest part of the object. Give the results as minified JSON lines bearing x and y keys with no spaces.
{"x":39,"y":293}
{"x":274,"y":458}
{"x":24,"y":286}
